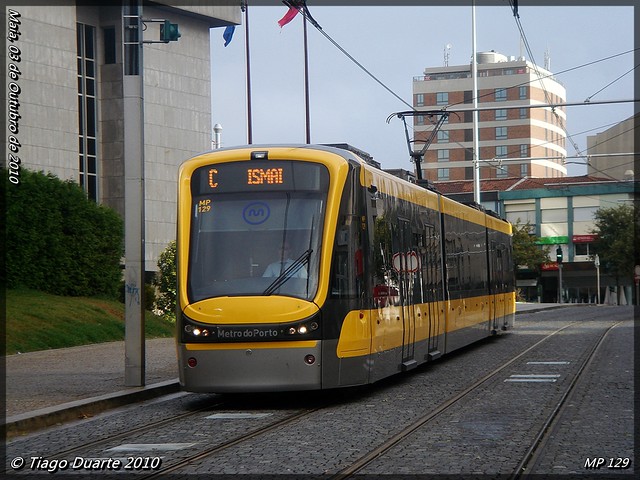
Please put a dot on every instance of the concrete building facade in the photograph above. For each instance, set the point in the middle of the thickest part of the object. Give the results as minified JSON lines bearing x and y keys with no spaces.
{"x":612,"y":153}
{"x":515,"y":140}
{"x":70,"y":100}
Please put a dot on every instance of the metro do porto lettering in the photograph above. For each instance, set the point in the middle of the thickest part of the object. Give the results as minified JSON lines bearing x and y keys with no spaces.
{"x":246,"y":333}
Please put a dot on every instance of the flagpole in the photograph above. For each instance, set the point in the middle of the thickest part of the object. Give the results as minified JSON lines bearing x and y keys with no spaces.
{"x":248,"y":62}
{"x":306,"y":81}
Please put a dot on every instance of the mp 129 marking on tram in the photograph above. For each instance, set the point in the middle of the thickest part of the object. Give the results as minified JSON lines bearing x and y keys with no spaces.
{"x":305,"y":267}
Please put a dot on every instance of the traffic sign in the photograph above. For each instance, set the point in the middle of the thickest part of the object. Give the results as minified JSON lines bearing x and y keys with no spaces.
{"x":406,"y":262}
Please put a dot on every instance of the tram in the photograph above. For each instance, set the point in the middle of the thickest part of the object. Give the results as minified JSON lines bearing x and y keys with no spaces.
{"x":304,"y":267}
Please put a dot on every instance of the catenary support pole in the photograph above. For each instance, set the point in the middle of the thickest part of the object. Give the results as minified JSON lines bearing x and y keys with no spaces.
{"x":133,"y":119}
{"x":476,"y":140}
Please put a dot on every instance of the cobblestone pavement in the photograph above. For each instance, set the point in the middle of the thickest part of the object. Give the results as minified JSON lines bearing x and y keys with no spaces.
{"x":598,"y":421}
{"x":490,"y":431}
{"x":485,"y":434}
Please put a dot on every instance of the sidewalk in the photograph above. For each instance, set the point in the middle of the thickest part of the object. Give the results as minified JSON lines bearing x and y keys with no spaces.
{"x":52,"y":386}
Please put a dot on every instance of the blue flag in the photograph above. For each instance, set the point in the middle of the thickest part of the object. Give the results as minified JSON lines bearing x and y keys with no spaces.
{"x":228,"y":34}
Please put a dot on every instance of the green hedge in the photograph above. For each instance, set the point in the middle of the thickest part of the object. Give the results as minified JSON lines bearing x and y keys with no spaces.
{"x":58,"y":241}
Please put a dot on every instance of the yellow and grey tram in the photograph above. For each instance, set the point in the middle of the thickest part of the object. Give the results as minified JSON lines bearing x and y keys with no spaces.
{"x":304,"y":267}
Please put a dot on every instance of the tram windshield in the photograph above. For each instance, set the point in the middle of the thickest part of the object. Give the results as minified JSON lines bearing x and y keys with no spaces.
{"x":256,"y":229}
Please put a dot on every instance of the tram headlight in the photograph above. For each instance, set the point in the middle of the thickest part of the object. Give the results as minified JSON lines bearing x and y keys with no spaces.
{"x":192,"y":331}
{"x":305,"y":328}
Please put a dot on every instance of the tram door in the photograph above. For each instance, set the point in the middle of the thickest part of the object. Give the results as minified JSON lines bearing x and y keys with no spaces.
{"x":405,"y":265}
{"x":496,"y":284}
{"x":433,"y":285}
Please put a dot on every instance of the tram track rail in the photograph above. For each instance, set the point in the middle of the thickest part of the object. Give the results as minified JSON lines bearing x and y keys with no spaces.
{"x":231,"y":443}
{"x":533,"y":452}
{"x":537,"y":447}
{"x":148,"y":427}
{"x":236,"y":441}
{"x":358,"y":465}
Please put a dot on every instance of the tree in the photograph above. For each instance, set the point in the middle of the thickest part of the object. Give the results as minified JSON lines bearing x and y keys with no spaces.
{"x":526,"y":252}
{"x":166,"y":282}
{"x":617,"y":231}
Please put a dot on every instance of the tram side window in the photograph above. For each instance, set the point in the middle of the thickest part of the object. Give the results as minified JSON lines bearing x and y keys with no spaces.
{"x":347,"y":277}
{"x":506,"y":267}
{"x":453,"y":261}
{"x":510,"y":268}
{"x":478,"y":269}
{"x":465,"y":259}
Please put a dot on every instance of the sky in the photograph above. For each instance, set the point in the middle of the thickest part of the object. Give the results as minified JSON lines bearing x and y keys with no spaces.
{"x":395,"y":44}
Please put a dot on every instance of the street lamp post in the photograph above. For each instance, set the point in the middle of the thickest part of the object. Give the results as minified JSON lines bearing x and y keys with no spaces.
{"x":559,"y":260}
{"x":596,"y":262}
{"x":217,"y":137}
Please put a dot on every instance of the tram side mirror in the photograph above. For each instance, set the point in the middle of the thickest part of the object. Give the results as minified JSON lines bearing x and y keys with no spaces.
{"x":373,"y":189}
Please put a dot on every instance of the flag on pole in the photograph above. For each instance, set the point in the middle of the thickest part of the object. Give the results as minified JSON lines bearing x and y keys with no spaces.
{"x":228,"y":34}
{"x":290,"y":15}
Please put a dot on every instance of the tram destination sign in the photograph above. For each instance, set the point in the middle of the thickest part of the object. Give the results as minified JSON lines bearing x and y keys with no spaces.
{"x":266,"y":175}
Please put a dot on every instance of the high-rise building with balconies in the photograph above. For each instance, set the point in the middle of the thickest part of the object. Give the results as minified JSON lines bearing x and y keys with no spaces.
{"x":518,"y":136}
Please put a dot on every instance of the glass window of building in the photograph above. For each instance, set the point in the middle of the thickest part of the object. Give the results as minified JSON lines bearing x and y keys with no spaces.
{"x":584,"y":214}
{"x":523,"y":92}
{"x":501,"y":114}
{"x":554,"y":215}
{"x":87,"y":113}
{"x":442,"y":98}
{"x":583,"y":249}
{"x":500,"y":94}
{"x":443,"y":174}
{"x":501,"y":133}
{"x":522,"y":212}
{"x":443,"y":155}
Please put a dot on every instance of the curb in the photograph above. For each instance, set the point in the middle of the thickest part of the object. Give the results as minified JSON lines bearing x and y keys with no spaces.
{"x":554,"y":307}
{"x":38,"y":419}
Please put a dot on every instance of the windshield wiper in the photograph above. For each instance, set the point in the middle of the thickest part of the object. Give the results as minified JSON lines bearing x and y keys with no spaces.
{"x":288,"y":272}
